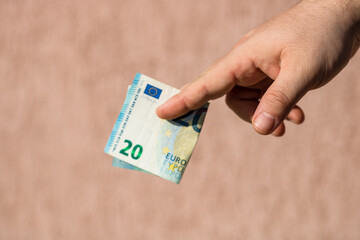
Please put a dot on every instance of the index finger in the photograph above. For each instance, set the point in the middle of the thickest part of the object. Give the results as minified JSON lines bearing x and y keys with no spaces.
{"x":214,"y":83}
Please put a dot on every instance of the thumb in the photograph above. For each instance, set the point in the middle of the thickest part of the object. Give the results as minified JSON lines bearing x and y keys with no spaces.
{"x":278,"y":100}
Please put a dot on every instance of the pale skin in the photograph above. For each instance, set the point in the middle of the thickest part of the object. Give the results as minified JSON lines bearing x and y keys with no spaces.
{"x":273,"y":66}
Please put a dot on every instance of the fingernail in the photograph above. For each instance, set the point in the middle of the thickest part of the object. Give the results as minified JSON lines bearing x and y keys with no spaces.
{"x":265,"y":122}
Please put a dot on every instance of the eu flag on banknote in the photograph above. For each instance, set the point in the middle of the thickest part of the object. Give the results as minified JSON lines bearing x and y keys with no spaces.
{"x":152,"y":91}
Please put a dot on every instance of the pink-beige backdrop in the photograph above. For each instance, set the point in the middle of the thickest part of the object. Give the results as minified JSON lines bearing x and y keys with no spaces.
{"x":64,"y":69}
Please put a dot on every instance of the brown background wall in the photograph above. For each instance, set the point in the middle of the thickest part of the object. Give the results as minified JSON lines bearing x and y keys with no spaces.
{"x":64,"y":69}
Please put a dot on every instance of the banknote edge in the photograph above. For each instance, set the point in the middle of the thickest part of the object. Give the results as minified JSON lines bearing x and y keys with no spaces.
{"x":122,"y":113}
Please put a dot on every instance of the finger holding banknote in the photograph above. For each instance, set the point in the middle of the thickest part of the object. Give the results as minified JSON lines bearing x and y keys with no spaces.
{"x":236,"y":76}
{"x":299,"y":50}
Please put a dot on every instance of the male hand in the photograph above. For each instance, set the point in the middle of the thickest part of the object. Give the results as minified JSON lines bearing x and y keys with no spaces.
{"x":272,"y":67}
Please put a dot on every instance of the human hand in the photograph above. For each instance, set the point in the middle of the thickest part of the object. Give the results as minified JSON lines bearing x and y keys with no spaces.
{"x":272,"y":67}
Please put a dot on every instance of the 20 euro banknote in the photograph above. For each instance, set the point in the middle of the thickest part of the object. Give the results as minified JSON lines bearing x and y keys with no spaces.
{"x":140,"y":140}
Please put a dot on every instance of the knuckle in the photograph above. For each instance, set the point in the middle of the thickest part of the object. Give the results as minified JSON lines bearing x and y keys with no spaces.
{"x":277,"y":97}
{"x":204,"y":92}
{"x":186,"y":102}
{"x":192,"y":101}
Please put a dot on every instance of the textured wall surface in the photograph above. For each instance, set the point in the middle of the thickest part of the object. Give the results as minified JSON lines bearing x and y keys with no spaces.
{"x":64,"y":69}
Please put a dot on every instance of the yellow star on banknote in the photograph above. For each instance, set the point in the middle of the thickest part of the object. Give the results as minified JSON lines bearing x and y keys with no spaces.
{"x":168,"y":133}
{"x":172,"y":166}
{"x":166,"y":150}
